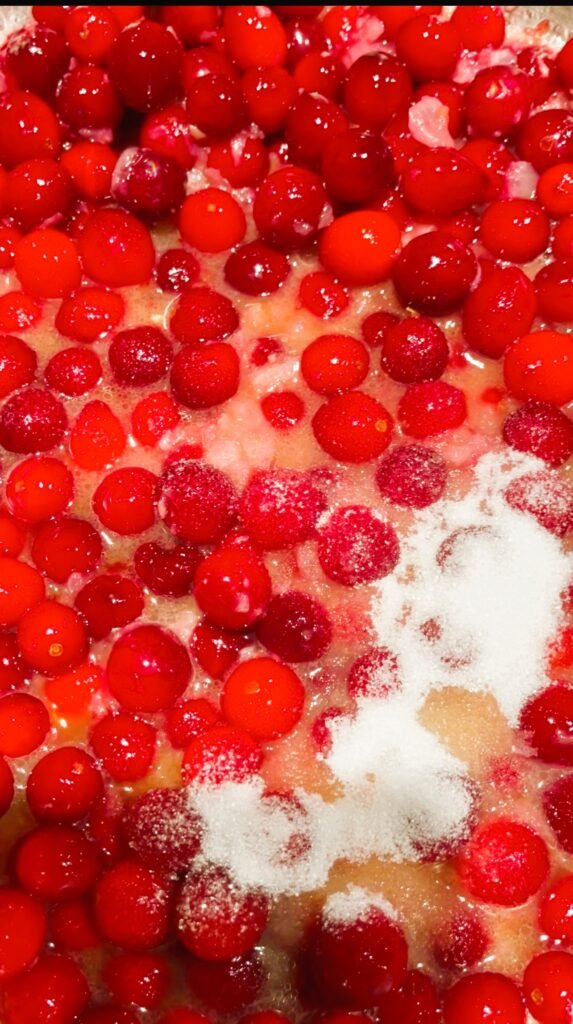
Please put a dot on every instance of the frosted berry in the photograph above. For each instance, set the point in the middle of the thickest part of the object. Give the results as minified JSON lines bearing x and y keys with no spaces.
{"x":295,"y":627}
{"x":373,"y":674}
{"x":140,"y":356}
{"x":558,"y":807}
{"x":176,"y":270}
{"x":430,"y":408}
{"x":413,"y":350}
{"x":354,"y":546}
{"x":412,"y":476}
{"x":217,"y":919}
{"x":162,"y":830}
{"x":222,"y":754}
{"x":546,"y":497}
{"x":282,"y":409}
{"x":462,"y":943}
{"x":225,"y":987}
{"x":132,"y":905}
{"x":73,"y":372}
{"x":202,"y":314}
{"x":280,"y":508}
{"x":541,"y":430}
{"x":504,"y":862}
{"x":206,"y":376}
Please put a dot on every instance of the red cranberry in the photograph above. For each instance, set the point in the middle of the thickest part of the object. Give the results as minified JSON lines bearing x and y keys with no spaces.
{"x":90,"y":166}
{"x":496,"y":101}
{"x":478,"y":997}
{"x":24,"y":724}
{"x":547,"y":723}
{"x":281,"y":508}
{"x":216,"y":650}
{"x":56,"y":862}
{"x":434,"y":273}
{"x":191,"y":24}
{"x":225,"y":987}
{"x":216,"y":919}
{"x":353,"y":427}
{"x":52,"y":638}
{"x":132,"y":905}
{"x":65,"y":546}
{"x":63,"y":786}
{"x":375,"y":326}
{"x":373,"y":674}
{"x":538,"y":365}
{"x":354,"y":546}
{"x":18,"y":364}
{"x":87,"y":100}
{"x":515,"y":229}
{"x":169,"y":133}
{"x":416,"y":1001}
{"x":215,"y":105}
{"x":555,"y":190}
{"x":282,"y":409}
{"x":147,"y":669}
{"x":546,"y":138}
{"x":148,"y":183}
{"x":38,"y":191}
{"x":256,"y":269}
{"x":21,"y":588}
{"x":322,"y":296}
{"x":18,"y":312}
{"x":500,"y":310}
{"x":334,"y":362}
{"x":89,"y":314}
{"x":269,"y":94}
{"x":412,"y":476}
{"x":243,"y":160}
{"x":205,"y":377}
{"x":108,"y":602}
{"x":541,"y":430}
{"x":428,"y":47}
{"x":493,"y":160}
{"x":312,"y":122}
{"x":166,"y":571}
{"x":176,"y":270}
{"x":125,"y":500}
{"x":548,"y":986}
{"x":223,"y":754}
{"x":255,"y":36}
{"x":202,"y":314}
{"x":211,"y":220}
{"x":90,"y":33}
{"x":360,"y":247}
{"x":36,"y":58}
{"x":137,"y":977}
{"x":197,"y":502}
{"x":461,"y":183}
{"x":555,"y":911}
{"x":53,"y":989}
{"x":565,"y":65}
{"x":73,"y":372}
{"x":316,"y":72}
{"x":162,"y":830}
{"x":376,"y":88}
{"x":431,"y":408}
{"x":29,"y":129}
{"x":288,"y":208}
{"x":13,"y":673}
{"x":232,"y":587}
{"x":414,"y":350}
{"x":116,"y":249}
{"x":554,"y":287}
{"x":503,"y":863}
{"x":140,"y":356}
{"x":295,"y":627}
{"x":23,"y":932}
{"x":479,"y":26}
{"x":125,"y":745}
{"x":545,"y":497}
{"x":462,"y":943}
{"x":145,"y":65}
{"x":6,"y":788}
{"x":558,"y":807}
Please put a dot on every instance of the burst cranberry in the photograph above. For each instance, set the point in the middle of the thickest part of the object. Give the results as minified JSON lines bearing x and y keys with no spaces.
{"x":125,"y":745}
{"x":515,"y":229}
{"x":556,"y":911}
{"x":353,"y":963}
{"x":97,"y":437}
{"x":373,"y":674}
{"x":216,"y":919}
{"x":540,"y":366}
{"x":66,"y":546}
{"x":38,"y":191}
{"x":216,"y":650}
{"x":108,"y":602}
{"x":56,"y":862}
{"x":496,"y":101}
{"x":215,"y":105}
{"x":541,"y":430}
{"x":500,"y":310}
{"x":414,"y":350}
{"x":434,"y":273}
{"x":140,"y":978}
{"x":486,"y":996}
{"x":125,"y":501}
{"x":90,"y":166}
{"x":140,"y":356}
{"x":54,"y":989}
{"x":116,"y":249}
{"x":147,"y":669}
{"x":202,"y":314}
{"x":47,"y":264}
{"x":169,"y":133}
{"x":334,"y":362}
{"x":312,"y":122}
{"x":145,"y":65}
{"x":255,"y":36}
{"x":36,"y":57}
{"x":205,"y":377}
{"x":197,"y":502}
{"x":359,"y":247}
{"x":21,"y":587}
{"x":462,"y":943}
{"x":242,"y":161}
{"x":63,"y":786}
{"x":554,"y":287}
{"x":29,"y":129}
{"x":295,"y":627}
{"x":131,"y":906}
{"x":353,"y":427}
{"x":376,"y":88}
{"x":232,"y":587}
{"x":546,"y":138}
{"x":211,"y":220}
{"x":288,"y":208}
{"x":86,"y":99}
{"x":52,"y":637}
{"x":23,"y":931}
{"x":256,"y":269}
{"x":558,"y":807}
{"x":412,"y":476}
{"x":73,"y":372}
{"x":166,"y":571}
{"x":428,"y":47}
{"x":354,"y":546}
{"x":280,"y":508}
{"x":223,"y":754}
{"x":504,"y":862}
{"x":282,"y":409}
{"x":89,"y":314}
{"x":24,"y":724}
{"x":548,"y":987}
{"x":147,"y":183}
{"x":162,"y":830}
{"x":176,"y":270}
{"x":269,"y":94}
{"x":431,"y":408}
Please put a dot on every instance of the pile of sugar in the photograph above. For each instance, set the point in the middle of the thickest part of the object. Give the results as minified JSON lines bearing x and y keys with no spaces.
{"x":472,"y":604}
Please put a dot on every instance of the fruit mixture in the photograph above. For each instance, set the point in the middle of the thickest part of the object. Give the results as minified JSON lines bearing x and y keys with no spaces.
{"x":286,"y":574}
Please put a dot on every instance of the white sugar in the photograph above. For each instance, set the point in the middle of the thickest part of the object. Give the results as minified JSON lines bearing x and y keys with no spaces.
{"x":355,"y":904}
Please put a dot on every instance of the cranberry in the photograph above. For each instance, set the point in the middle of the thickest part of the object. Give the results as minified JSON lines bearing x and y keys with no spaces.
{"x":90,"y":32}
{"x":434,"y":273}
{"x":215,"y":105}
{"x":63,"y":786}
{"x":191,"y":24}
{"x":540,"y":366}
{"x":232,"y":587}
{"x":554,"y":287}
{"x":317,"y":72}
{"x":255,"y":36}
{"x":147,"y":669}
{"x":140,"y":356}
{"x":504,"y":862}
{"x":36,"y":58}
{"x":66,"y":546}
{"x":216,"y":650}
{"x":29,"y":129}
{"x":431,"y":408}
{"x":169,"y":133}
{"x":354,"y":963}
{"x":479,"y":997}
{"x":18,"y":312}
{"x":311,"y":124}
{"x":373,"y":674}
{"x":6,"y":790}
{"x":359,"y":247}
{"x":89,"y":314}
{"x":197,"y":502}
{"x":353,"y":427}
{"x":555,"y":190}
{"x":166,"y":571}
{"x":131,"y":906}
{"x":176,"y":270}
{"x":462,"y":943}
{"x":288,"y":207}
{"x":90,"y":166}
{"x":496,"y":101}
{"x":548,"y":986}
{"x":18,"y":364}
{"x":225,"y":987}
{"x":147,"y":183}
{"x":412,"y":476}
{"x":479,"y":26}
{"x":256,"y":269}
{"x":162,"y":830}
{"x":428,"y":47}
{"x":71,"y":926}
{"x":24,"y":724}
{"x":461,"y":183}
{"x":108,"y":602}
{"x":269,"y":94}
{"x":137,"y":977}
{"x":242,"y":161}
{"x":558,"y":807}
{"x":555,"y":911}
{"x":500,"y":310}
{"x":545,"y":497}
{"x":414,"y":350}
{"x":515,"y":229}
{"x":116,"y":249}
{"x":376,"y":89}
{"x":47,"y":264}
{"x":202,"y":314}
{"x":205,"y":377}
{"x":52,"y":637}
{"x":281,"y":508}
{"x":493,"y":160}
{"x":565,"y":65}
{"x":295,"y":627}
{"x":375,"y":326}
{"x":211,"y":220}
{"x":21,"y":588}
{"x":13,"y":673}
{"x":23,"y":931}
{"x":86,"y":99}
{"x":216,"y":919}
{"x":282,"y":409}
{"x":354,"y":546}
{"x":125,"y":745}
{"x":145,"y":65}
{"x":56,"y":862}
{"x":541,"y":430}
{"x":97,"y":437}
{"x":54,"y":989}
{"x":9,"y":238}
{"x":125,"y":501}
{"x":415,"y":1001}
{"x":334,"y":362}
{"x":322,"y":296}
{"x":38,"y":191}
{"x":222,"y":754}
{"x":546,"y":138}
{"x":73,"y":372}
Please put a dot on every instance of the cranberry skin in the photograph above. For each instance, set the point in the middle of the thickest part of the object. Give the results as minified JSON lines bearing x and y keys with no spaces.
{"x":354,"y":546}
{"x":197,"y":502}
{"x":462,"y":943}
{"x":503,"y":863}
{"x":125,"y":745}
{"x":485,"y":996}
{"x":359,"y":248}
{"x":86,"y":100}
{"x":202,"y":314}
{"x":334,"y":362}
{"x":23,"y":931}
{"x":32,"y":420}
{"x":216,"y":650}
{"x":500,"y":310}
{"x":539,"y":365}
{"x":312,"y":122}
{"x":353,"y":964}
{"x":63,"y":786}
{"x":558,"y":808}
{"x":295,"y":627}
{"x":546,"y":139}
{"x":288,"y":208}
{"x":56,"y":862}
{"x":166,"y":571}
{"x":232,"y":587}
{"x":216,"y":919}
{"x":162,"y":830}
{"x":555,"y":917}
{"x":73,"y":372}
{"x":66,"y":546}
{"x":132,"y":905}
{"x":147,"y":183}
{"x":496,"y":101}
{"x":461,"y":184}
{"x":140,"y":978}
{"x":225,"y":987}
{"x":431,"y":408}
{"x":176,"y":270}
{"x":29,"y":129}
{"x":108,"y":602}
{"x":433,"y":273}
{"x":357,"y":166}
{"x":205,"y":377}
{"x":145,"y":65}
{"x":515,"y":229}
{"x":255,"y":36}
{"x":540,"y":429}
{"x":428,"y":47}
{"x":412,"y":476}
{"x":223,"y":754}
{"x":140,"y":356}
{"x":38,"y":191}
{"x":414,"y":350}
{"x":554,"y":287}
{"x":148,"y":669}
{"x":126,"y":500}
{"x":36,"y":57}
{"x":376,"y":89}
{"x":548,"y":986}
{"x":353,"y":427}
{"x":256,"y":269}
{"x":53,"y":990}
{"x":6,"y":786}
{"x":215,"y":105}
{"x":269,"y":94}
{"x":280,"y":508}
{"x":116,"y":249}
{"x":18,"y":364}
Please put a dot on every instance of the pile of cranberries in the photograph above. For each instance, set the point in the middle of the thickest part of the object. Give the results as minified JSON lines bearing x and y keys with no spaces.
{"x":167,"y":620}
